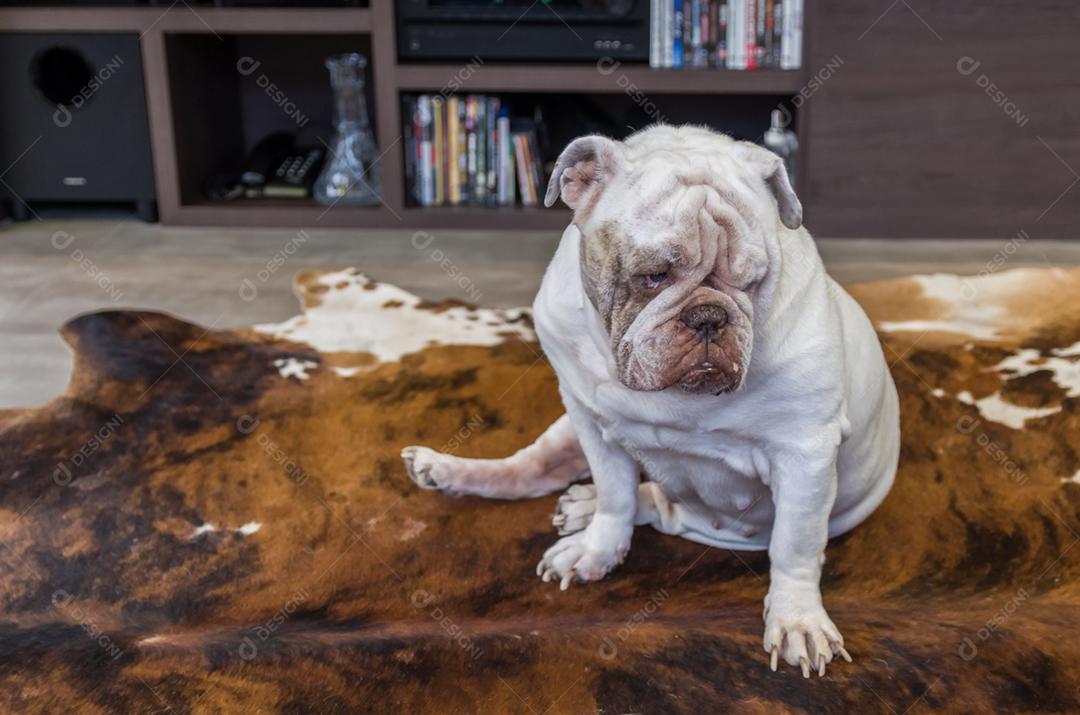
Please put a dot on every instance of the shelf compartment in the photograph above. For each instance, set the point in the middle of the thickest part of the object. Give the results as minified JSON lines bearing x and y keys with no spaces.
{"x":228,"y":93}
{"x":562,"y":118}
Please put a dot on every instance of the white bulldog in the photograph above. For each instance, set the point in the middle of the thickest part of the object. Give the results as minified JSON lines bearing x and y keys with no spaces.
{"x":699,"y":344}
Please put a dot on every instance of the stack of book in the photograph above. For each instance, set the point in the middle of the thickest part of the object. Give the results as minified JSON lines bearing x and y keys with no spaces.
{"x":728,"y":34}
{"x":468,"y":151}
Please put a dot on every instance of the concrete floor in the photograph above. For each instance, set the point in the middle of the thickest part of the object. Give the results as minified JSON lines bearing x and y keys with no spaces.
{"x":52,"y":270}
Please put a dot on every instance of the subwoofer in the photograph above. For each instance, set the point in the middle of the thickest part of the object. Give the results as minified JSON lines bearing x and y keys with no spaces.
{"x":73,"y":121}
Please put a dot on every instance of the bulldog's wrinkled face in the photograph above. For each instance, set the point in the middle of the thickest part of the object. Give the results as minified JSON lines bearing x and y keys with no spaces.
{"x":673,"y":315}
{"x":672,"y":255}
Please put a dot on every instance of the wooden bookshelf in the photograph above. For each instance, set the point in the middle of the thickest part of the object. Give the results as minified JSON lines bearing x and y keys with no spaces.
{"x":172,"y":103}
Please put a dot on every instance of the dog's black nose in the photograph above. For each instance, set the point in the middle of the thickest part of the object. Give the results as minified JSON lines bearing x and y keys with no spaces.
{"x":705,"y":318}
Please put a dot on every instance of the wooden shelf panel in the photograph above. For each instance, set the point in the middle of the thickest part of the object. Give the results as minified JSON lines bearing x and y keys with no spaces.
{"x":589,"y":78}
{"x":301,"y":213}
{"x":493,"y":218}
{"x":182,"y":18}
{"x":77,"y":19}
{"x":253,"y":21}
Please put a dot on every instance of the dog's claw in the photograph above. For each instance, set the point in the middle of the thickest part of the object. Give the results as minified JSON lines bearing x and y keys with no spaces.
{"x":844,"y":653}
{"x":575,"y":509}
{"x":540,"y":568}
{"x":566,"y":581}
{"x":802,"y":636}
{"x":774,"y":660}
{"x":422,"y":465}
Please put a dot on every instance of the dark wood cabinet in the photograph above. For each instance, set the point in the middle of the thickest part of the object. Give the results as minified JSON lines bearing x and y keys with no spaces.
{"x":945,"y":119}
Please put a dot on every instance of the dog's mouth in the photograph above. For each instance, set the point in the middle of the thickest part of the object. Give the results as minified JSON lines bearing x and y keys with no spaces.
{"x":707,"y":378}
{"x":697,"y":362}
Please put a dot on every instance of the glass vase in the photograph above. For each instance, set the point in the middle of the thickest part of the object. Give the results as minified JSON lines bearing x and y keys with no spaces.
{"x":350,"y":175}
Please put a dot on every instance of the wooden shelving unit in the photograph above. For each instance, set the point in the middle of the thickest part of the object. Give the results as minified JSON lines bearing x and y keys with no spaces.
{"x":168,"y":105}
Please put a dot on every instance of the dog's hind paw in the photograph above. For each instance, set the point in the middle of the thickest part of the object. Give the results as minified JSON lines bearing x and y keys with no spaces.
{"x":428,"y":468}
{"x":575,"y":509}
{"x":587,"y":555}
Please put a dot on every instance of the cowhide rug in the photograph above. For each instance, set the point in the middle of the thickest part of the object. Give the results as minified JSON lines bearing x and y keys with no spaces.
{"x":218,"y":521}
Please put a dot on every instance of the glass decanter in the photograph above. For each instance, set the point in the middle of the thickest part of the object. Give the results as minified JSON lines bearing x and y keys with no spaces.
{"x":350,"y":175}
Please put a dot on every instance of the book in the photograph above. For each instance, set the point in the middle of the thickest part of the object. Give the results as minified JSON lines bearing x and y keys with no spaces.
{"x":668,"y":32}
{"x":767,"y":35}
{"x":707,"y":41}
{"x":797,"y":35}
{"x":722,"y":16}
{"x":411,"y":149}
{"x":759,"y":34}
{"x":778,"y":31}
{"x":427,"y":177}
{"x":438,"y":160}
{"x":506,"y":159}
{"x":750,"y":34}
{"x":492,"y":115}
{"x":692,"y":30}
{"x":677,"y":35}
{"x":536,"y":172}
{"x":791,"y":38}
{"x":521,"y":162}
{"x":480,"y":179}
{"x":656,"y":57}
{"x":734,"y":36}
{"x":453,"y":152}
{"x":462,"y":153}
{"x":471,"y":115}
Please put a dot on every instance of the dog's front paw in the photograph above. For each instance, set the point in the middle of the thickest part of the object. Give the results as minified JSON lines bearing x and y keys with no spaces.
{"x":588,"y":555}
{"x":798,"y":629}
{"x":575,"y":509}
{"x":428,"y":468}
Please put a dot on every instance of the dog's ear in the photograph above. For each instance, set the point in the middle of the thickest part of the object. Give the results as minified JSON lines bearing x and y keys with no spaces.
{"x":581,"y":172}
{"x":775,"y":174}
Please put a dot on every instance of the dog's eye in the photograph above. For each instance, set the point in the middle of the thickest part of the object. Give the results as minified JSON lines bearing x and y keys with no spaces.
{"x":652,"y":281}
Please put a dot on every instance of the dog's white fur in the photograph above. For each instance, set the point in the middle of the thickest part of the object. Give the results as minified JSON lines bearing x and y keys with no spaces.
{"x":803,"y":449}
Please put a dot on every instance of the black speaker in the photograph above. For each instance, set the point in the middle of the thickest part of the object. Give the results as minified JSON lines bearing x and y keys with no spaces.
{"x":73,"y":122}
